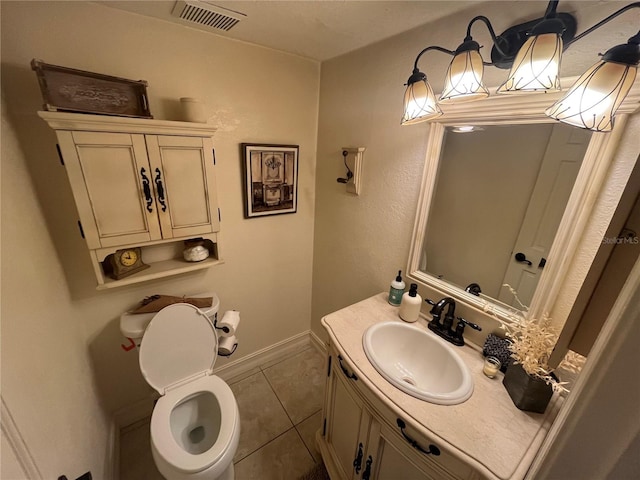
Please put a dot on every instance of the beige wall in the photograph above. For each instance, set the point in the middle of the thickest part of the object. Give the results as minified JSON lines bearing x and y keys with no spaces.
{"x":63,"y":371}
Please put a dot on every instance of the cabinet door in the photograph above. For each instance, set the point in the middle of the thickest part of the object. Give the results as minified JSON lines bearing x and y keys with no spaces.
{"x":391,"y":457}
{"x":108,"y":173}
{"x":347,"y":426}
{"x":185,"y":185}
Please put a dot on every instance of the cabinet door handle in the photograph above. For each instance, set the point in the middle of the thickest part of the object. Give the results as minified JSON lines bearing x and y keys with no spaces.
{"x":160,"y":189}
{"x":346,"y":372}
{"x":367,"y":469}
{"x":147,"y":189}
{"x":433,"y":450}
{"x":357,"y":462}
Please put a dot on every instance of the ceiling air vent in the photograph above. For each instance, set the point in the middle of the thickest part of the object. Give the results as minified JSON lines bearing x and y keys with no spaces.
{"x":206,"y":14}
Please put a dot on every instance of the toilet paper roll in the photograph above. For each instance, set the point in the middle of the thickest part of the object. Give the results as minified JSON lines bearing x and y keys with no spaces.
{"x":227,"y":345}
{"x":229,"y":323}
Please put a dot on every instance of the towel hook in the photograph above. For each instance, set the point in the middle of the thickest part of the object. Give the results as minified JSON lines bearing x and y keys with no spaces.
{"x":349,"y":172}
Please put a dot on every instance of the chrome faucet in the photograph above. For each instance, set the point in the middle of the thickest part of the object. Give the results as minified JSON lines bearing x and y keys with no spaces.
{"x":444,"y":329}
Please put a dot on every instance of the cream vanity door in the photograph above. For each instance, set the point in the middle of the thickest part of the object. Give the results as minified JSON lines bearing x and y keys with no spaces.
{"x":183,"y":178}
{"x":110,"y":178}
{"x":391,"y":457}
{"x":347,"y":425}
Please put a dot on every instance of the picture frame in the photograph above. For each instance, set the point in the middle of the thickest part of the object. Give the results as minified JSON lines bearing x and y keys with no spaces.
{"x":70,"y":90}
{"x":270,"y":178}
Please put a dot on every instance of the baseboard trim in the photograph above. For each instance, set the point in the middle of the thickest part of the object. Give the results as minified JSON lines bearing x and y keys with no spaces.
{"x":134,"y":412}
{"x":20,"y":449}
{"x":112,"y":462}
{"x":317,"y":342}
{"x":270,"y":354}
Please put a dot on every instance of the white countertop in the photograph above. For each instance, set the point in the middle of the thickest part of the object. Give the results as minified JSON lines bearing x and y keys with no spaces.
{"x":487,"y":431}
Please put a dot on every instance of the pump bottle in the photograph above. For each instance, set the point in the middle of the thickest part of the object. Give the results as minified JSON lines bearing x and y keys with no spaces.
{"x":410,"y":305}
{"x":396,"y":290}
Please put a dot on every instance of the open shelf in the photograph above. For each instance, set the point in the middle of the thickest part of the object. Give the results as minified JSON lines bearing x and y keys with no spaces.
{"x":165,"y":268}
{"x":164,"y":258}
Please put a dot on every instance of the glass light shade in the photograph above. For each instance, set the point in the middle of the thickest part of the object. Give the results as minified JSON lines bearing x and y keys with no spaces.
{"x":593,"y":100}
{"x":536,"y":66}
{"x":419,"y":103}
{"x":463,"y":82}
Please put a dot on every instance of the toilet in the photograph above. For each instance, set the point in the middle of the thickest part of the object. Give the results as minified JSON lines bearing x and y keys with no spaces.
{"x":195,"y":425}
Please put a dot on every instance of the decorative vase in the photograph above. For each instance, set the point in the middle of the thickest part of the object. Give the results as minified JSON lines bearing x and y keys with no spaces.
{"x":528,"y":393}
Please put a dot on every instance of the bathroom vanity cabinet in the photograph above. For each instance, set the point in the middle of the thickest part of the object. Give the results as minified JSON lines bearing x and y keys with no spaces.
{"x":362,"y":439}
{"x":140,"y":183}
{"x":373,"y":430}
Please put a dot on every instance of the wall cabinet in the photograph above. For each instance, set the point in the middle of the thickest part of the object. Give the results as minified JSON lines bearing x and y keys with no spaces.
{"x":362,"y":441}
{"x":143,"y":183}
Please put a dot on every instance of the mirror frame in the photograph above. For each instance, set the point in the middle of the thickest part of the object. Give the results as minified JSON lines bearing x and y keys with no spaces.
{"x":509,"y":110}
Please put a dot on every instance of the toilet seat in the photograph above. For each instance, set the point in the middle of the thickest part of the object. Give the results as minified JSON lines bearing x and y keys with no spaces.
{"x":179,"y":344}
{"x":164,"y":441}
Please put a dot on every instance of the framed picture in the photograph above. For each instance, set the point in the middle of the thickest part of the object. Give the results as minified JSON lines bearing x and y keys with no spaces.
{"x":271,"y":179}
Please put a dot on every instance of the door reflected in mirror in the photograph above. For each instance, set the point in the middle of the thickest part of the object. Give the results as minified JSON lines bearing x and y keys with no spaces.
{"x":499,"y":197}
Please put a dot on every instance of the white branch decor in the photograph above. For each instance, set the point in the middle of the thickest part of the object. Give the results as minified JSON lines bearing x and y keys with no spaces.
{"x":531,"y":342}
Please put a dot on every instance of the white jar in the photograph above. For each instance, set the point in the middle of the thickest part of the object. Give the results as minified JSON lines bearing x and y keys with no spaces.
{"x":192,"y":110}
{"x":410,"y":305}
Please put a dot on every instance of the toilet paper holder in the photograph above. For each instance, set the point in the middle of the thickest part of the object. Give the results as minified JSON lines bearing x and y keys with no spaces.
{"x":215,"y":325}
{"x":226,"y":331}
{"x":230,"y":353}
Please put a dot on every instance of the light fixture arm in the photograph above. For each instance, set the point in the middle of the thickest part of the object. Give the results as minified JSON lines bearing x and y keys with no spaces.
{"x":431,"y":47}
{"x":551,"y":9}
{"x":602,"y":22}
{"x":492,"y":32}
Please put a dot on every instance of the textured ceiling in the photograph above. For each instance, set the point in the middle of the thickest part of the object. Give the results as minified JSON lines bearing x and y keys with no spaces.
{"x":314,"y":29}
{"x":324,"y":29}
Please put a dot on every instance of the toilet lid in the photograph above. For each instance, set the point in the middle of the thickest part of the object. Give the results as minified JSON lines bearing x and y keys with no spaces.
{"x":180,"y":342}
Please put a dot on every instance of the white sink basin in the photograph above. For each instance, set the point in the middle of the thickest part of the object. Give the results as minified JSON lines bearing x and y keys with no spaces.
{"x":418,"y":363}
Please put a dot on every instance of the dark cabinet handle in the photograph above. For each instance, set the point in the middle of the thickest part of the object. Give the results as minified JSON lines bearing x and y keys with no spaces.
{"x":357,"y":462}
{"x":147,"y":189}
{"x":367,"y":469}
{"x":522,"y":258}
{"x":433,"y":450}
{"x":353,"y":376}
{"x":160,"y":189}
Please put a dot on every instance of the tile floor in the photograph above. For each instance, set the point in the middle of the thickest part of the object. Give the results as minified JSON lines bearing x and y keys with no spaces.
{"x":280,"y":411}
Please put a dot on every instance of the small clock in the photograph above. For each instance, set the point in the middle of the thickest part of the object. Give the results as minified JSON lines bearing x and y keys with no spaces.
{"x":125,"y":262}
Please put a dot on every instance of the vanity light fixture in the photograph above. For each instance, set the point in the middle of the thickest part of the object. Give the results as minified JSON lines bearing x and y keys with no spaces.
{"x":463,"y":81}
{"x":533,"y":52}
{"x":419,"y":100}
{"x":536,"y":67}
{"x":594,"y":98}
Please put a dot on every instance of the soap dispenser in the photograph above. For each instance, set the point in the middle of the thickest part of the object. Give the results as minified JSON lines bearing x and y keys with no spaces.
{"x":396,"y":290}
{"x":410,"y":305}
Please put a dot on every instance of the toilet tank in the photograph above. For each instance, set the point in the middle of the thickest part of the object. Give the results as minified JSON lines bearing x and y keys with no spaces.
{"x":133,"y":325}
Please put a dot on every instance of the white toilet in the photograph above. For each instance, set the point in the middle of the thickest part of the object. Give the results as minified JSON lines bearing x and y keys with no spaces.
{"x":195,"y":425}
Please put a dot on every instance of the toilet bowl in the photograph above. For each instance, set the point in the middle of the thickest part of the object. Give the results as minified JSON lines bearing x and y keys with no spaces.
{"x":195,"y":425}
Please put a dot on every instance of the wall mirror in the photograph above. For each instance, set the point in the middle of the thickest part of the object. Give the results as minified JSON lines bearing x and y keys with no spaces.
{"x":505,"y":195}
{"x":498,"y":199}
